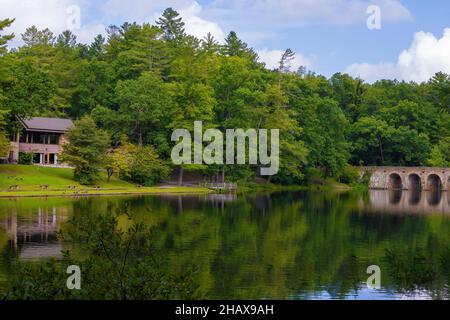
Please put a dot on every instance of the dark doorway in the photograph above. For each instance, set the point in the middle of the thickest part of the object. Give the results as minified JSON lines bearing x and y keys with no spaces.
{"x":414,"y":182}
{"x":395,"y":182}
{"x":37,"y":158}
{"x":434,"y":183}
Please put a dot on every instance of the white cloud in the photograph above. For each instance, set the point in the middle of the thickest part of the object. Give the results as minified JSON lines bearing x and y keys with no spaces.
{"x":426,"y":56}
{"x":266,"y":17}
{"x":197,"y":26}
{"x":272,"y":59}
{"x":52,"y":14}
{"x":149,"y":11}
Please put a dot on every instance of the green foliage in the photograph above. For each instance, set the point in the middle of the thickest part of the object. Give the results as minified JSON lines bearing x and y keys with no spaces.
{"x":116,"y":262}
{"x":235,"y":47}
{"x":146,"y":167}
{"x":350,"y":175}
{"x":86,"y":150}
{"x":5,"y":38}
{"x":172,"y":25}
{"x":25,"y":157}
{"x":144,"y":106}
{"x":440,"y":155}
{"x":146,"y":80}
{"x":411,"y":271}
{"x":4,"y":139}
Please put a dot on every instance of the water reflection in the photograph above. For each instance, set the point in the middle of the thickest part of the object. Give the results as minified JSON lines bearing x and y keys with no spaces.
{"x":402,"y":201}
{"x":32,"y":234}
{"x":299,"y":245}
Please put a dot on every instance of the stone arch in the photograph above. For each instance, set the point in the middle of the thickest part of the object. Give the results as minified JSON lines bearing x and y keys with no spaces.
{"x":434,"y":198}
{"x":415,"y":196}
{"x":395,"y":182}
{"x":414,"y":182}
{"x":434,"y":182}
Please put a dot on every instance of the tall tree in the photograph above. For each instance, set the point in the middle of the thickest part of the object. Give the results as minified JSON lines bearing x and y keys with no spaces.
{"x":145,"y":107}
{"x":3,"y":50}
{"x":4,"y":141}
{"x":97,"y":47}
{"x":235,"y":47}
{"x":33,"y":37}
{"x":66,"y":39}
{"x":86,"y":150}
{"x":5,"y":38}
{"x":286,"y":59}
{"x":440,"y":89}
{"x":210,"y":44}
{"x":172,"y":25}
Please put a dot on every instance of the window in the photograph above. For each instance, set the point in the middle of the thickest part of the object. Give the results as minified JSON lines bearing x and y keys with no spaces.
{"x":38,"y":137}
{"x":37,"y":158}
{"x":53,"y":139}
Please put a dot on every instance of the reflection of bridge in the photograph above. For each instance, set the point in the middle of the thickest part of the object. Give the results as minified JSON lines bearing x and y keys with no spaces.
{"x":409,"y":178}
{"x":399,"y":201}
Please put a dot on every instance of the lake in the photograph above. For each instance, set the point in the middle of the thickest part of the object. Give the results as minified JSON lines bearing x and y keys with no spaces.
{"x":283,"y":245}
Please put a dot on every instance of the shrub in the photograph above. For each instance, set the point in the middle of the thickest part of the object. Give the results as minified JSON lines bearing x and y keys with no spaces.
{"x":25,"y":158}
{"x":146,"y":167}
{"x":350,"y":175}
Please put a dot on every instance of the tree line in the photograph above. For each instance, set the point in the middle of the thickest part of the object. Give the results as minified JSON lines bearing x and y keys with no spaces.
{"x":143,"y":81}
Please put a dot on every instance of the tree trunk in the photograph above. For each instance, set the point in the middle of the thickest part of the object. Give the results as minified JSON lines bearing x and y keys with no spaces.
{"x":180,"y":176}
{"x":223,"y":174}
{"x":110,"y":173}
{"x":381,"y":151}
{"x":140,"y":137}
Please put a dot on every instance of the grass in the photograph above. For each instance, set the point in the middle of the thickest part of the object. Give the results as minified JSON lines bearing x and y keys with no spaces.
{"x":29,"y":180}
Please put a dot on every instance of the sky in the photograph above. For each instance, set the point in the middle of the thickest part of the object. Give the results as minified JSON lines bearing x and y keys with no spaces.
{"x":372,"y":39}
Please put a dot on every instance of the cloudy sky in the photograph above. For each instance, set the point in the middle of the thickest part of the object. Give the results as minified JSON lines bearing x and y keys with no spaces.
{"x":328,"y":35}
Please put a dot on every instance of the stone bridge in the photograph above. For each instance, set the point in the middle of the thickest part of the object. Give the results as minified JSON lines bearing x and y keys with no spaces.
{"x":409,"y":178}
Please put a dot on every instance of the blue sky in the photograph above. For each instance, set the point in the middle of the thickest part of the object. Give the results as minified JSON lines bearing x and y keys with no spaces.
{"x":328,"y":35}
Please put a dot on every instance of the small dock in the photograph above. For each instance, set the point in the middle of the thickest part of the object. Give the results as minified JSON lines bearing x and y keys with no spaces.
{"x":220,"y":186}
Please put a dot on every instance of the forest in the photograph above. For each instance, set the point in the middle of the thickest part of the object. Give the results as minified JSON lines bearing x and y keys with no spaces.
{"x":142,"y":81}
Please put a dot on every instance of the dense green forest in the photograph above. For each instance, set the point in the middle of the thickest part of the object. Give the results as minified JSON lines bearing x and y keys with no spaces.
{"x":143,"y":81}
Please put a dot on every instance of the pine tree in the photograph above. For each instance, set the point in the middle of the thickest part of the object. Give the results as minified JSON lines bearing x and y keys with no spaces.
{"x":66,"y":39}
{"x":209,"y":44}
{"x":235,"y":47}
{"x":5,"y":38}
{"x":3,"y":50}
{"x":97,"y":46}
{"x":286,"y":59}
{"x":33,"y":36}
{"x":172,"y":25}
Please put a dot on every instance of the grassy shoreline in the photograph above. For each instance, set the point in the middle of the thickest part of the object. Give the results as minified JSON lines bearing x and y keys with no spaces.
{"x":105,"y":192}
{"x":22,"y":181}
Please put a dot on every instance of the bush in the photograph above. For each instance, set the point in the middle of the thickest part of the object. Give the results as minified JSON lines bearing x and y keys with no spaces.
{"x":146,"y":167}
{"x":25,"y":158}
{"x":313,"y":176}
{"x":350,"y":175}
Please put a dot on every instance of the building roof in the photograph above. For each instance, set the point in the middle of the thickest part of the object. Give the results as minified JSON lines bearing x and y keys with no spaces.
{"x":42,"y":124}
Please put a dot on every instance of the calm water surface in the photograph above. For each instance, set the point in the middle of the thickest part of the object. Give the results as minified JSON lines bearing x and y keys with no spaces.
{"x":288,"y":245}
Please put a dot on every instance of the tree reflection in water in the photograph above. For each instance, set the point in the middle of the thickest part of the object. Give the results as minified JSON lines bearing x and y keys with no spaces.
{"x":282,"y":245}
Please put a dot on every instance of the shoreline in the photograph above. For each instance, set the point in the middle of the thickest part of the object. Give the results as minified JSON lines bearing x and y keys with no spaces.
{"x":93,"y":193}
{"x":163,"y":190}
